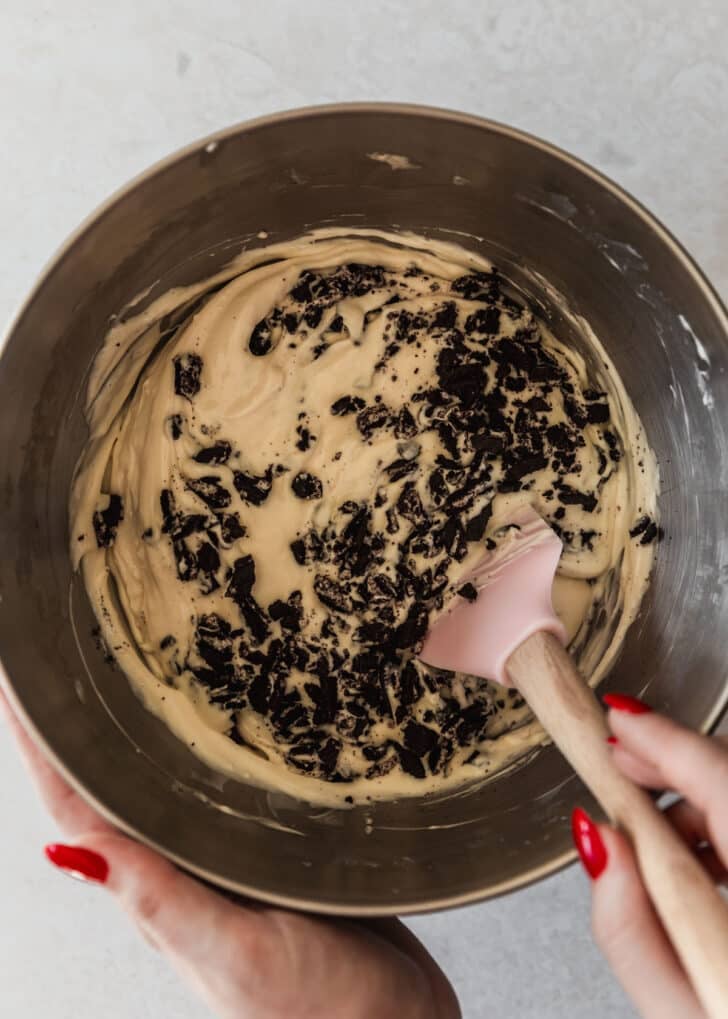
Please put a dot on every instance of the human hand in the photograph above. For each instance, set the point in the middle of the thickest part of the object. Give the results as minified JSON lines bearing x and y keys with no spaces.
{"x":245,"y":959}
{"x":658,"y":754}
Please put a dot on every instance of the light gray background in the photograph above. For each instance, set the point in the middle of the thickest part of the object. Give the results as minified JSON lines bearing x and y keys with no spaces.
{"x":91,"y":93}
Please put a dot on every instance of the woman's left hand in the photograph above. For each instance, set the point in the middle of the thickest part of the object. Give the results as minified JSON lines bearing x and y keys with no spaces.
{"x":245,"y":959}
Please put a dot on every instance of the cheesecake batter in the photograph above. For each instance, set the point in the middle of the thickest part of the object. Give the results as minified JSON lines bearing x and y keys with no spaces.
{"x":291,"y":469}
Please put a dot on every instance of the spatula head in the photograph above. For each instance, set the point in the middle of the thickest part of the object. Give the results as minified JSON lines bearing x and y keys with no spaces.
{"x":514,"y":601}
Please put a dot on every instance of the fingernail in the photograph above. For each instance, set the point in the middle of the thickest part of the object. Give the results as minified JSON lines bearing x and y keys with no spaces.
{"x":83,"y":864}
{"x":623,"y":702}
{"x":612,"y":740}
{"x":589,"y":843}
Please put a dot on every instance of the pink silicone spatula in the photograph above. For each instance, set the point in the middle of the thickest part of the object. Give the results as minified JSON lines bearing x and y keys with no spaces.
{"x":511,"y":634}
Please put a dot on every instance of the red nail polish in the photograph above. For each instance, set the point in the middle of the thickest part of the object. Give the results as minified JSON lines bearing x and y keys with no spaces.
{"x":623,"y":702}
{"x":589,"y":843}
{"x":80,"y":863}
{"x":612,"y":741}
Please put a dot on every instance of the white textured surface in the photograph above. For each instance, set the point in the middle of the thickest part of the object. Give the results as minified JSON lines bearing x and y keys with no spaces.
{"x":91,"y":93}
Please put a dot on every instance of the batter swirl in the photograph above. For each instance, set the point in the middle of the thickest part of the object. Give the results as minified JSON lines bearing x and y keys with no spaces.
{"x":292,"y":469}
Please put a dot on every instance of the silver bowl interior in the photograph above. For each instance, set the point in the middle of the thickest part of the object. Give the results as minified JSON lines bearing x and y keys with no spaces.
{"x":532,"y":205}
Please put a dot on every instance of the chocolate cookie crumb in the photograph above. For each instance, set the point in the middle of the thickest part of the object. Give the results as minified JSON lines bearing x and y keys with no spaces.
{"x":106,"y":521}
{"x":307,"y":486}
{"x":219,"y":453}
{"x":187,"y":374}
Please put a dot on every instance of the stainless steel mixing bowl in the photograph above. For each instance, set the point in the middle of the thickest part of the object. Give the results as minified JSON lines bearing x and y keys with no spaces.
{"x":532,"y":204}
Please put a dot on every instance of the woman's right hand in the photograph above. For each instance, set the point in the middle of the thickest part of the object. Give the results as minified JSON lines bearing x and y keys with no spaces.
{"x":658,"y":754}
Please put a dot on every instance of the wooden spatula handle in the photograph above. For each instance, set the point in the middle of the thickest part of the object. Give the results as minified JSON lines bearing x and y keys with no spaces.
{"x":690,"y":907}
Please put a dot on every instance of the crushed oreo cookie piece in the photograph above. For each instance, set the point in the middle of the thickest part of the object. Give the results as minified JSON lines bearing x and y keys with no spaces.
{"x":569,"y":496}
{"x":230,"y":528}
{"x":420,"y":739}
{"x":261,"y":340}
{"x":647,"y":530}
{"x":253,"y":488}
{"x":219,"y":453}
{"x":106,"y":521}
{"x":187,"y":375}
{"x":288,"y":613}
{"x":210,"y":489}
{"x":332,"y":595}
{"x":372,"y":418}
{"x":347,"y":405}
{"x":307,"y":486}
{"x":174,"y":423}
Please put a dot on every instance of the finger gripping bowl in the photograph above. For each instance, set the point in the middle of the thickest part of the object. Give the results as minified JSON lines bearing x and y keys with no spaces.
{"x":462,"y":179}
